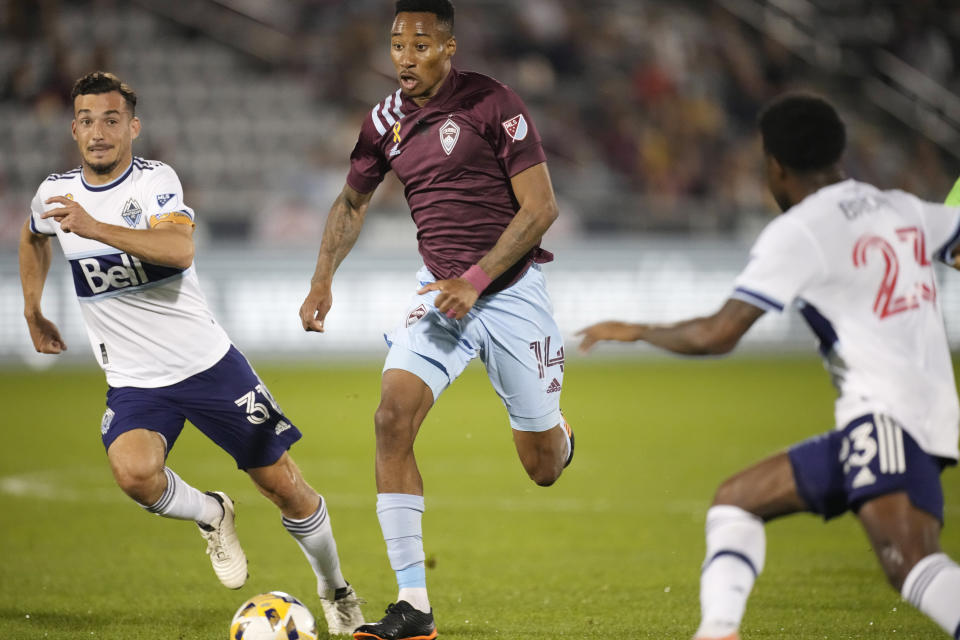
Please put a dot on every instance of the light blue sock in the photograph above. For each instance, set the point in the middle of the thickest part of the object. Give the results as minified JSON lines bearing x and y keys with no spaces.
{"x":400,"y":517}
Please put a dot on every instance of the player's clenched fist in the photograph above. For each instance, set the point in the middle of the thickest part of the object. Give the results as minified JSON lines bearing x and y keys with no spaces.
{"x":45,"y":335}
{"x":314,"y":309}
{"x":72,"y":217}
{"x":457,"y":297}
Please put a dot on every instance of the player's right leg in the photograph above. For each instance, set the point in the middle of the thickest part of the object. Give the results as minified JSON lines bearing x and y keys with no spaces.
{"x":427,"y":352}
{"x":137,"y":459}
{"x":905,"y":538}
{"x":736,"y":542}
{"x":405,"y":400}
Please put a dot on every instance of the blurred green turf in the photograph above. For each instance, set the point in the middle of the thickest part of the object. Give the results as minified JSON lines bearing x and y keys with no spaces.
{"x":612,"y":550}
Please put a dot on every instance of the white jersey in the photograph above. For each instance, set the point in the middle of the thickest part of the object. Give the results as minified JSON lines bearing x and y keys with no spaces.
{"x":856,"y":261}
{"x":149,"y":325}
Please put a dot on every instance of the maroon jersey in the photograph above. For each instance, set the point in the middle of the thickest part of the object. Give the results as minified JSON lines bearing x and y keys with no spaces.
{"x":455,"y":157}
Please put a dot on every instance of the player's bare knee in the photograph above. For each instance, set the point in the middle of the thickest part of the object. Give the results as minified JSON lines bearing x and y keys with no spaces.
{"x":139,"y":482}
{"x":386,"y":419}
{"x":896,"y":566}
{"x":729,"y":493}
{"x":394,"y":428}
{"x":544,"y":473}
{"x":545,"y":479}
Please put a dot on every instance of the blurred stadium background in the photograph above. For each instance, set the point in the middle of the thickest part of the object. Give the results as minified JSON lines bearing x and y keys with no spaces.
{"x":646,"y":107}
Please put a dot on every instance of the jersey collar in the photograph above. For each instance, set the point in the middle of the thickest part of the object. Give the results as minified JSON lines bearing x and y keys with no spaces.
{"x":447,"y":89}
{"x":109,"y":185}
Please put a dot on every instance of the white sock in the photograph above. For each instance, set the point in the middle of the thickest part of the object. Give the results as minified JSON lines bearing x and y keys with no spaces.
{"x":933,"y":586}
{"x":182,"y":502}
{"x":400,"y":517}
{"x":315,"y":537}
{"x":736,"y":547}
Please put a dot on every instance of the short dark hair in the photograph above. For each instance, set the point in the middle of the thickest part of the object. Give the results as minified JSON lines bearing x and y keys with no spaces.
{"x":443,"y":9}
{"x":104,"y":82}
{"x":803,"y":132}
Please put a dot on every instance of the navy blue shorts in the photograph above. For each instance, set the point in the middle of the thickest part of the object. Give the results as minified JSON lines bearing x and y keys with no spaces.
{"x":227,"y":402}
{"x":870,"y":457}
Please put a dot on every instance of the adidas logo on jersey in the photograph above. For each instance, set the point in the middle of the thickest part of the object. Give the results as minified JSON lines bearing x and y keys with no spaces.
{"x":554,"y":386}
{"x":282,"y":426}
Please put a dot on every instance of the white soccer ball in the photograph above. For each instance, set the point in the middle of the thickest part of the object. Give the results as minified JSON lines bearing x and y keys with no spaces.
{"x":273,"y":616}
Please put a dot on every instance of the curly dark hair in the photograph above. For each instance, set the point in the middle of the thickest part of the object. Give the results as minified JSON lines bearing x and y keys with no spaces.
{"x":443,"y":9}
{"x":104,"y":82}
{"x":803,"y":132}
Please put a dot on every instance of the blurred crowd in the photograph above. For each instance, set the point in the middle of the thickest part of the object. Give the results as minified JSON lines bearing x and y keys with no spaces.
{"x":647,"y":108}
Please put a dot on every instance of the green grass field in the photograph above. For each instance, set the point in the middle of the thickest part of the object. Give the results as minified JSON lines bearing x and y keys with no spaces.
{"x":611,"y":551}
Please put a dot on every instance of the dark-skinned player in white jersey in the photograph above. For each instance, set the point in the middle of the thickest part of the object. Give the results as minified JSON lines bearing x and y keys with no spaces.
{"x":856,"y":262}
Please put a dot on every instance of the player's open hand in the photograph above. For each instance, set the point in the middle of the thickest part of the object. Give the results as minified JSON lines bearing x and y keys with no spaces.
{"x":45,"y":335}
{"x":314,"y":309}
{"x":72,"y":217}
{"x":609,"y":330}
{"x":457,"y":297}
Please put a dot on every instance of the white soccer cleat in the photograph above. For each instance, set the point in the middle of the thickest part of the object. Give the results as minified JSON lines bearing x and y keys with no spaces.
{"x":223,"y":546}
{"x":342,"y":611}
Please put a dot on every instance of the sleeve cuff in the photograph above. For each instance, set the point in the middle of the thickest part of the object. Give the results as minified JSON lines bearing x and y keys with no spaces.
{"x":944,"y":253}
{"x":757,"y":299}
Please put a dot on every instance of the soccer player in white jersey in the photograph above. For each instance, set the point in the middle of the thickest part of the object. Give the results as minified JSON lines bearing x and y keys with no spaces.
{"x":127,"y":234}
{"x":856,"y":262}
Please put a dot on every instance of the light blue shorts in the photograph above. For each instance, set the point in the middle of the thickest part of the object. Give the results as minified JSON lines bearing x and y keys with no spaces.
{"x":512,"y":331}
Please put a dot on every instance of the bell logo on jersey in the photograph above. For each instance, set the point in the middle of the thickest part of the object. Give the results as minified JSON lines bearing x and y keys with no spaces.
{"x":113,"y":272}
{"x":449,"y":134}
{"x":516,"y":127}
{"x":131,"y":212}
{"x":119,"y":276}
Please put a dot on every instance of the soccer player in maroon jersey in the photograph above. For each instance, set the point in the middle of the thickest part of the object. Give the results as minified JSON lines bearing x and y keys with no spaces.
{"x":477,"y":184}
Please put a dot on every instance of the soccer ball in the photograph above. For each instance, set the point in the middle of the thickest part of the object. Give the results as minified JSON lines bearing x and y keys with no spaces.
{"x":273,"y":616}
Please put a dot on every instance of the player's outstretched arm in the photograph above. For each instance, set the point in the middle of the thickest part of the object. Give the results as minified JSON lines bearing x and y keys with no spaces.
{"x":710,"y":335}
{"x":34,"y":255}
{"x":168,"y":244}
{"x":538,"y":210}
{"x":339,"y":235}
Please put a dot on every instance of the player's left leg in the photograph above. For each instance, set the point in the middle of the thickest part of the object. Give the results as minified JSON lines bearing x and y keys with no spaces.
{"x":522,"y":348}
{"x":906,"y":541}
{"x":736,"y":541}
{"x":305,"y":517}
{"x":544,"y":454}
